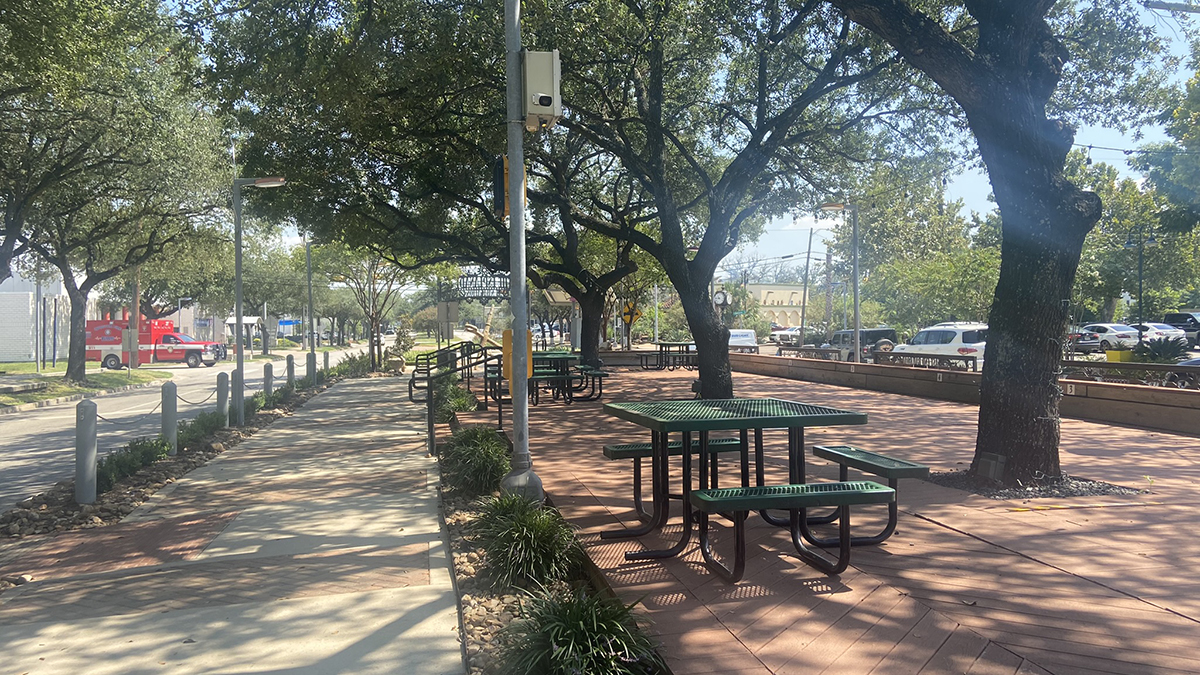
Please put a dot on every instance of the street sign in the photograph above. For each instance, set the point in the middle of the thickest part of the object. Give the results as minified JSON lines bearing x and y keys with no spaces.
{"x":630,"y":313}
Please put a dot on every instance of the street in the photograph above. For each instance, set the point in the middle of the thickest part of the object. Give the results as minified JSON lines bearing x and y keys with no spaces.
{"x":38,"y":446}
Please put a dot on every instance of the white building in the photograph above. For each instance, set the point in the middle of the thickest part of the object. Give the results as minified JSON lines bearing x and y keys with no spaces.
{"x":22,"y":319}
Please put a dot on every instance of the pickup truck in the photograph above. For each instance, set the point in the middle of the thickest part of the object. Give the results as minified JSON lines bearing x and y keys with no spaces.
{"x":1187,"y":321}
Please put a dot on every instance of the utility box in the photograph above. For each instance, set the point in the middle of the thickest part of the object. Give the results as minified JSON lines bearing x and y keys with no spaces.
{"x":543,"y":101}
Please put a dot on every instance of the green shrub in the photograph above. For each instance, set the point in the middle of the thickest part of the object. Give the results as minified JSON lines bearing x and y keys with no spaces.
{"x":1161,"y":350}
{"x":253,"y":404}
{"x":125,"y":462}
{"x":203,"y":426}
{"x":475,"y":460}
{"x":574,"y":633}
{"x":527,"y":545}
{"x":354,"y":365}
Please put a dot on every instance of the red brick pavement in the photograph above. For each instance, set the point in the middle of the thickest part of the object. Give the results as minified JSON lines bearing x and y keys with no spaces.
{"x":966,"y":585}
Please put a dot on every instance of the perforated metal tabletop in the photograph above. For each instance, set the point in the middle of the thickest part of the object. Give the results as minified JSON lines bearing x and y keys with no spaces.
{"x":730,"y":413}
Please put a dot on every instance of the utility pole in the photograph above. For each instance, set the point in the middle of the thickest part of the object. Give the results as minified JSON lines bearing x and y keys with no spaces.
{"x":804,"y":298}
{"x":522,"y":479}
{"x":828,"y":294}
{"x":135,"y":319}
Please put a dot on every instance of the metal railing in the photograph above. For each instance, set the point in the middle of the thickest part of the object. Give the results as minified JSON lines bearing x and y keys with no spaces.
{"x":429,"y":368}
{"x":939,"y":361}
{"x":1127,"y":372}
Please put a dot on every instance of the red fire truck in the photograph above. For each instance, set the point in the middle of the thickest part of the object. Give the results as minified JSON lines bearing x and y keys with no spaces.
{"x":157,"y":343}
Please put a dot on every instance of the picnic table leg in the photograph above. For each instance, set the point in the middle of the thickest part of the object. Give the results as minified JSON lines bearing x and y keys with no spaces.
{"x":887,"y":531}
{"x":777,"y":521}
{"x":745,"y":438}
{"x":825,"y":563}
{"x":660,"y":502}
{"x":734,"y":574}
{"x":687,"y":501}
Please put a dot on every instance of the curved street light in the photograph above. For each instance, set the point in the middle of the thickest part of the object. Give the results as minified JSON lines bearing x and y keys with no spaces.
{"x":238,"y":398}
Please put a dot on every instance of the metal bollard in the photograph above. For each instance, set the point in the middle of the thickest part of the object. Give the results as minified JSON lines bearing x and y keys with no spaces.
{"x":268,"y":380}
{"x":223,"y":398}
{"x":85,"y":452}
{"x":310,"y":369}
{"x":291,"y":370}
{"x":169,"y":417}
{"x":238,"y":399}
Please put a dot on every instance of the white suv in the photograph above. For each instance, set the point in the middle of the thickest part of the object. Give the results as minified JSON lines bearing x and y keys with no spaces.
{"x":950,"y":338}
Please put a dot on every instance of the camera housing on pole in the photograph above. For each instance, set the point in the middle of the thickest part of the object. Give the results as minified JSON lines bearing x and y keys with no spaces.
{"x":543,"y":101}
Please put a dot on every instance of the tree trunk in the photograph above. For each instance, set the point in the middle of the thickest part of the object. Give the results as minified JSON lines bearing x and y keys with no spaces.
{"x":1109,"y":310}
{"x":1045,"y":221}
{"x":712,"y":342}
{"x":591,"y":312}
{"x":77,"y":342}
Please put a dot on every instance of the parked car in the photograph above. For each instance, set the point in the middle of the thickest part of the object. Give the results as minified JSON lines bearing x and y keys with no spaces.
{"x":882,"y":338}
{"x":1189,"y":322}
{"x":1114,"y":335}
{"x":1083,"y":341}
{"x":1160,"y":331}
{"x":785,"y":336}
{"x":1189,"y":379}
{"x":949,"y":338}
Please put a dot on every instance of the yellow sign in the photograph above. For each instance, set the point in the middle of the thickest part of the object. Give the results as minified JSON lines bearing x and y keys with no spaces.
{"x":506,"y":350}
{"x":630,"y":313}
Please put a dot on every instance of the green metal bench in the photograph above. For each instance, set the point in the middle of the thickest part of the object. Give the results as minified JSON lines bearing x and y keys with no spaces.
{"x":639,"y":451}
{"x":892,"y":469}
{"x":737,"y":503}
{"x":589,"y":379}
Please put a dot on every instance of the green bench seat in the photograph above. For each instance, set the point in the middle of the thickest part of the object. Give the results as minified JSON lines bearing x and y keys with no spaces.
{"x":890,"y":468}
{"x":738,"y":502}
{"x":639,"y":451}
{"x":675,"y":448}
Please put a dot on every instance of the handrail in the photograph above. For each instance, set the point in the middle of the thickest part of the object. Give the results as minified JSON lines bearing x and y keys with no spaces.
{"x":429,"y":367}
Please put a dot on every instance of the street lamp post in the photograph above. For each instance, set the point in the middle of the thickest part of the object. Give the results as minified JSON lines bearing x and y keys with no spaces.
{"x":237,"y":400}
{"x":179,"y":314}
{"x":853,"y":209}
{"x":1141,"y":245}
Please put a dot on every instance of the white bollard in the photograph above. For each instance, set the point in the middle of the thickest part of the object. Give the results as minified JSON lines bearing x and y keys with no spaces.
{"x":85,"y":452}
{"x":169,"y":417}
{"x":268,"y":380}
{"x":311,"y":368}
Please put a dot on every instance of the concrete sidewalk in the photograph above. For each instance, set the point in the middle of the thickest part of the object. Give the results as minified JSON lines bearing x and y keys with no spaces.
{"x":313,"y":547}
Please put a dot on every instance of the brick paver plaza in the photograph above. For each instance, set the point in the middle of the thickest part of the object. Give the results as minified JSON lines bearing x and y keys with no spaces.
{"x":968,"y":584}
{"x":315,"y":547}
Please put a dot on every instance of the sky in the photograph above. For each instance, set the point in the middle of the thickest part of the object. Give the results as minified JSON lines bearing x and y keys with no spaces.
{"x":788,"y":236}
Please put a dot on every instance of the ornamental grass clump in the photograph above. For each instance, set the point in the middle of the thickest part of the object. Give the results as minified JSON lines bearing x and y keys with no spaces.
{"x":577,"y":633}
{"x":475,"y":460}
{"x":526,"y":544}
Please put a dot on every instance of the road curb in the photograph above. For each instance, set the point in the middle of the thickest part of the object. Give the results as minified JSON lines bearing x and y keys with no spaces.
{"x":24,"y":407}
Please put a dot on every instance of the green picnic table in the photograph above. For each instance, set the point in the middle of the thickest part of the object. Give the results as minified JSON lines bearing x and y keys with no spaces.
{"x":688,"y":417}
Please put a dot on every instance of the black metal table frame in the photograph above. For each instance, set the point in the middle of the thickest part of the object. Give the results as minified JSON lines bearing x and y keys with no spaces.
{"x":796,"y":521}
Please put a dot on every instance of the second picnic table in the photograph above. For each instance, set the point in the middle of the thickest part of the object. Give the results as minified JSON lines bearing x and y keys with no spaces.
{"x":688,"y":417}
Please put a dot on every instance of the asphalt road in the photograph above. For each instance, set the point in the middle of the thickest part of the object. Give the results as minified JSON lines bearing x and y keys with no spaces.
{"x":37,"y":447}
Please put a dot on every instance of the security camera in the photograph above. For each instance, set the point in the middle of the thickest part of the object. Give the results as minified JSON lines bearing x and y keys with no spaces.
{"x":544,"y":100}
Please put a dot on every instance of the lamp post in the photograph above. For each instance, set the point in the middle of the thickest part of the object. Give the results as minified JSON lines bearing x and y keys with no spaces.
{"x":853,"y":209}
{"x":179,"y":312}
{"x":238,"y":183}
{"x":1141,"y":245}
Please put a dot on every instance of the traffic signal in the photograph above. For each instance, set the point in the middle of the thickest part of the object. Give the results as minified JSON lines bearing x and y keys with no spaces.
{"x":500,"y":186}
